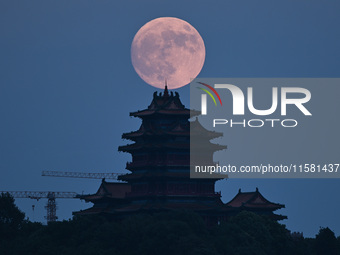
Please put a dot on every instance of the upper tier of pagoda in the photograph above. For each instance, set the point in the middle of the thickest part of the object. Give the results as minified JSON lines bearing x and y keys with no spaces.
{"x":166,"y":104}
{"x":178,"y":129}
{"x":171,"y":119}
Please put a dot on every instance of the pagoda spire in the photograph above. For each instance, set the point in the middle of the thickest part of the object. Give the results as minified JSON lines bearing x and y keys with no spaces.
{"x":166,"y":92}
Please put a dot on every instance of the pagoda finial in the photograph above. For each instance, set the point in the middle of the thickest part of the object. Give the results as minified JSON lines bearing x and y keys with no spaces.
{"x":166,"y":92}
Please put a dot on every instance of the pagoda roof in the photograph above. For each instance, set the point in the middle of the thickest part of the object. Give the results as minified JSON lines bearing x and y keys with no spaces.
{"x":157,"y":174}
{"x":116,"y":190}
{"x":196,"y":129}
{"x":166,"y":104}
{"x":154,"y":146}
{"x":254,"y":200}
{"x":159,"y":206}
{"x":193,"y":128}
{"x":178,"y":129}
{"x":175,"y":145}
{"x":92,"y":210}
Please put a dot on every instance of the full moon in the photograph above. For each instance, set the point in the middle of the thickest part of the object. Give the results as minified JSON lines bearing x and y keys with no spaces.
{"x":167,"y":50}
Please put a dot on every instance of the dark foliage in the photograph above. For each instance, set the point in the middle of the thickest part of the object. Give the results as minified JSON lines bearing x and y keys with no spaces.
{"x":326,"y":242}
{"x":162,"y":233}
{"x":11,"y":218}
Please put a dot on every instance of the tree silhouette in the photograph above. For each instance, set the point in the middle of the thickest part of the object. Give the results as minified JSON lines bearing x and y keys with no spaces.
{"x":175,"y":232}
{"x":11,"y":218}
{"x":326,"y":243}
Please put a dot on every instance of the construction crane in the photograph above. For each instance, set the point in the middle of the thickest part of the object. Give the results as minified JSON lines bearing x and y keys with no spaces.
{"x":51,"y":205}
{"x":113,"y":176}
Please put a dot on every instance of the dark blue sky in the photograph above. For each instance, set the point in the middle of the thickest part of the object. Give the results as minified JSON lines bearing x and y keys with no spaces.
{"x":67,"y":86}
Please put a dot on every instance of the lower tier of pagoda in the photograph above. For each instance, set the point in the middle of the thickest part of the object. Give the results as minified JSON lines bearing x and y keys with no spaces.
{"x":121,"y":199}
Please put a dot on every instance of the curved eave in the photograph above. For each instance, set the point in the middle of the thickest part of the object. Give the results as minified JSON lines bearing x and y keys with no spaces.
{"x":209,"y":135}
{"x":95,"y":197}
{"x":272,"y":206}
{"x":196,"y":128}
{"x":208,"y":147}
{"x":135,"y":147}
{"x":278,"y":217}
{"x":134,"y":135}
{"x":153,"y":166}
{"x":132,"y":176}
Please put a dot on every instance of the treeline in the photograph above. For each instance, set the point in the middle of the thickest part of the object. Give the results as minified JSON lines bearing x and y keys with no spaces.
{"x":163,"y":233}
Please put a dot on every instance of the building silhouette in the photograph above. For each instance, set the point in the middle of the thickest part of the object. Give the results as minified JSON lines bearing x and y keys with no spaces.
{"x":159,"y":178}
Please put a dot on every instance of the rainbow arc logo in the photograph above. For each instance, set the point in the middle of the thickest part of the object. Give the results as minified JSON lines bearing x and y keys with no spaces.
{"x":209,"y":93}
{"x":204,"y":97}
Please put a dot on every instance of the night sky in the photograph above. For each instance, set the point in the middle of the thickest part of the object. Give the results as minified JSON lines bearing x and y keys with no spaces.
{"x":67,"y":86}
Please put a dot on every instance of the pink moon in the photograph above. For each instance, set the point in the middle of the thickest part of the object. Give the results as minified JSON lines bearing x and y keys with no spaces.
{"x":167,"y":49}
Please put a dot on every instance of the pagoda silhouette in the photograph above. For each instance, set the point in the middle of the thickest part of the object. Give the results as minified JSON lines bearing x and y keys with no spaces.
{"x":159,"y":178}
